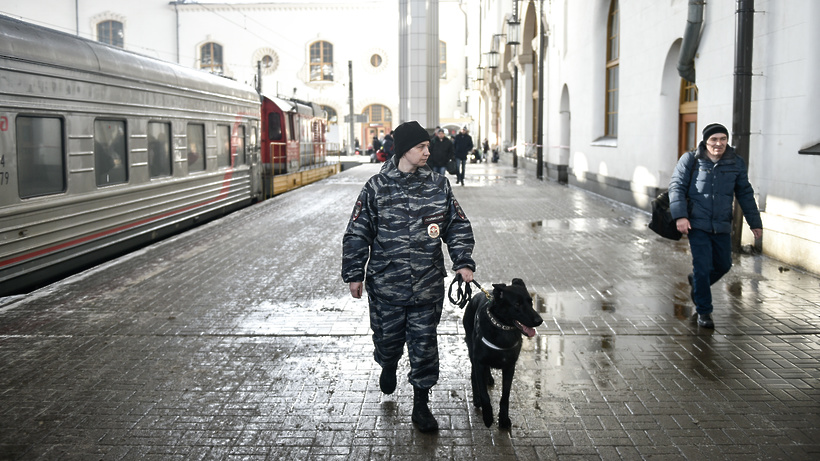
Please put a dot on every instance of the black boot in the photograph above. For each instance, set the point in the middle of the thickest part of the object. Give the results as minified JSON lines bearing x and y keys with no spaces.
{"x":387,"y":380}
{"x":421,"y":412}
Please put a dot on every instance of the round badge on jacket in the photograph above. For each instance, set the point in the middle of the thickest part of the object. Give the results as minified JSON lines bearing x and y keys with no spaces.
{"x":433,"y":231}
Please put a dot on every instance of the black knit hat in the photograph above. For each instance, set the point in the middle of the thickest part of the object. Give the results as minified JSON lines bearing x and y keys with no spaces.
{"x":712,"y":129}
{"x":407,"y":136}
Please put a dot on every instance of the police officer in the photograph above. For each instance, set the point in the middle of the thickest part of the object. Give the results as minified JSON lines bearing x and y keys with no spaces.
{"x":401,"y":216}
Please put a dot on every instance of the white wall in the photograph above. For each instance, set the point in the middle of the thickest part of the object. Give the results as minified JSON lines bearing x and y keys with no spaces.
{"x":148,"y":25}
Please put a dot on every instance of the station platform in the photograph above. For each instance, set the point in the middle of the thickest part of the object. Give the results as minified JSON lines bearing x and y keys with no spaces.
{"x":238,"y":340}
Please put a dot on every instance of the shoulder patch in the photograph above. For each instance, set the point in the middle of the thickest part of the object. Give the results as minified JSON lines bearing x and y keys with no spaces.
{"x":459,"y":210}
{"x":356,"y":210}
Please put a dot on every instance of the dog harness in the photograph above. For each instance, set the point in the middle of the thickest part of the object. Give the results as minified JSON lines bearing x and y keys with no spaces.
{"x":493,"y":346}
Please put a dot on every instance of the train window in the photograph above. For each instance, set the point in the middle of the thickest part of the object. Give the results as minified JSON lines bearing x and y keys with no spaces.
{"x":159,"y":149}
{"x":40,"y":159}
{"x":239,"y":146}
{"x":274,"y":127}
{"x":223,"y":146}
{"x":110,"y":155}
{"x":196,"y":147}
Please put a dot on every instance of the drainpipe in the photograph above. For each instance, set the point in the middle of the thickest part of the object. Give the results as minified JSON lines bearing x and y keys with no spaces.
{"x":742,"y":104}
{"x":542,"y":46}
{"x":691,"y":39}
{"x":176,"y":14}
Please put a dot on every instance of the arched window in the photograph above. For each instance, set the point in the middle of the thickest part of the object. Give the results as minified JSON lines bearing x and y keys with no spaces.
{"x":332,"y":116}
{"x":612,"y":59}
{"x":210,"y":57}
{"x":442,"y":60}
{"x":321,"y":62}
{"x":377,"y":113}
{"x":110,"y":32}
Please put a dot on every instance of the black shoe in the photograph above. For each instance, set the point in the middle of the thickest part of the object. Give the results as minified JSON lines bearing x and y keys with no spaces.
{"x":422,"y":416}
{"x":694,"y":317}
{"x":705,"y":321}
{"x":387,"y":380}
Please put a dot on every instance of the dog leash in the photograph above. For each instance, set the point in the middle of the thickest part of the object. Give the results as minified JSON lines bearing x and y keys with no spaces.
{"x":463,"y":295}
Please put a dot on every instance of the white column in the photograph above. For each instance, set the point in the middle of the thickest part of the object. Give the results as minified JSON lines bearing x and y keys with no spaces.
{"x":418,"y":62}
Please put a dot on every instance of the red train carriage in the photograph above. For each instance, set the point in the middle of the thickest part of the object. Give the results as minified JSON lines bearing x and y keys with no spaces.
{"x":292,"y":139}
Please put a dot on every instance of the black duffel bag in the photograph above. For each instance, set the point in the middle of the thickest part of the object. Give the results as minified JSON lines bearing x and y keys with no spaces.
{"x":662,"y":222}
{"x":452,"y":166}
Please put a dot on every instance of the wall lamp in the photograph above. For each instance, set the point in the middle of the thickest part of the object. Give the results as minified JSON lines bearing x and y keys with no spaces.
{"x":492,"y":59}
{"x":513,"y":32}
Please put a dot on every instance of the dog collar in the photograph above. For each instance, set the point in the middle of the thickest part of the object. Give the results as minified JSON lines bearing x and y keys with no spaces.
{"x":497,"y":323}
{"x":493,"y":346}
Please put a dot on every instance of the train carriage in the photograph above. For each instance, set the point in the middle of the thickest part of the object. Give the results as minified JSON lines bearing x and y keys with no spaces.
{"x":293,"y":141}
{"x":103,"y":150}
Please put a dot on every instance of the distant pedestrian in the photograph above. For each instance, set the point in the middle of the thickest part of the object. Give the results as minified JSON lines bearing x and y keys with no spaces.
{"x":388,"y":145}
{"x":486,"y":148}
{"x":710,"y":177}
{"x":441,"y":151}
{"x":463,"y":144}
{"x":393,"y":245}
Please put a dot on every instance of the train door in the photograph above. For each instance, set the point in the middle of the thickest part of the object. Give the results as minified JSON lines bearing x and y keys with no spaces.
{"x":294,"y":148}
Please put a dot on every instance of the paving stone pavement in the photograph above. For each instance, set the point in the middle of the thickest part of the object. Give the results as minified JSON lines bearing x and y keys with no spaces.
{"x":238,"y":340}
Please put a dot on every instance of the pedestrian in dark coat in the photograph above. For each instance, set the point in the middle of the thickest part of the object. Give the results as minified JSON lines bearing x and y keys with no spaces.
{"x":392,"y":247}
{"x":387,"y":145}
{"x":710,"y":177}
{"x":463,"y":145}
{"x":441,"y":151}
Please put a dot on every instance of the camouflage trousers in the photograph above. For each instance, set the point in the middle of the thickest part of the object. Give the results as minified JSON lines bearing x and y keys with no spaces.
{"x":393,"y":326}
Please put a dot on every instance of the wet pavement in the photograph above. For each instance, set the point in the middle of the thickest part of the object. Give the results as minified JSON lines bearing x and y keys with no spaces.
{"x":238,"y":340}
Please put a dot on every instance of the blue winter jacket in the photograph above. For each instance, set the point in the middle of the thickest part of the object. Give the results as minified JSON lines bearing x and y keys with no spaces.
{"x":711,"y":188}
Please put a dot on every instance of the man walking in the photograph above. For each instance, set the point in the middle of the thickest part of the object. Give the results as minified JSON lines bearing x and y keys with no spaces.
{"x":710,"y":177}
{"x":441,"y":151}
{"x":463,"y":144}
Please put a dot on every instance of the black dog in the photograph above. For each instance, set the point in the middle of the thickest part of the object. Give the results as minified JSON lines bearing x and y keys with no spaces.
{"x":494,"y":328}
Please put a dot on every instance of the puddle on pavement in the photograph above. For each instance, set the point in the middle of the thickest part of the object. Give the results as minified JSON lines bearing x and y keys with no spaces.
{"x":491,"y":180}
{"x":563,"y":225}
{"x":574,"y":305}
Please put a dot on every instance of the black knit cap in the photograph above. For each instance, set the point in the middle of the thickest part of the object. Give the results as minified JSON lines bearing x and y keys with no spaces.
{"x":407,"y":136}
{"x":713,"y":129}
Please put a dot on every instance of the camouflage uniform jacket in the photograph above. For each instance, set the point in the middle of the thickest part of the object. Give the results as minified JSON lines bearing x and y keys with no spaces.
{"x":396,"y":229}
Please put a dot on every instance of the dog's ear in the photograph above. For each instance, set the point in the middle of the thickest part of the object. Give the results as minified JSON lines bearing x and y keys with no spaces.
{"x":518,"y":282}
{"x":498,"y":289}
